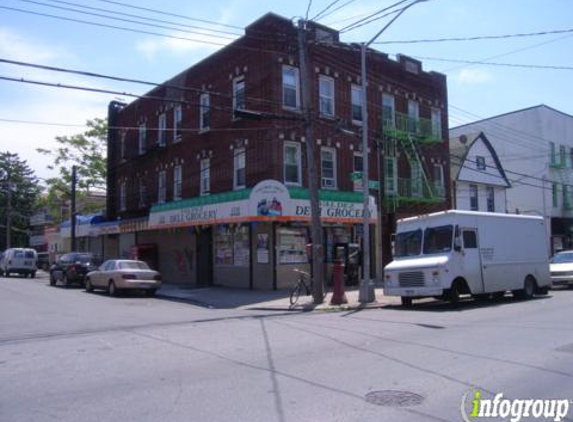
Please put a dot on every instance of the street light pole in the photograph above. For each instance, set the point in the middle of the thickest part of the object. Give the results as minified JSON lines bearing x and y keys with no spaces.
{"x":366,"y":292}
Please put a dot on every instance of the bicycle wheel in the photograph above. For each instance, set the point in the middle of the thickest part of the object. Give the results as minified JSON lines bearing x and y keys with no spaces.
{"x":295,"y":293}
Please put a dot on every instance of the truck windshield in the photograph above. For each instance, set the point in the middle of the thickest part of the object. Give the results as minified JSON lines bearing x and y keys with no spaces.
{"x":409,"y":243}
{"x":438,"y":239}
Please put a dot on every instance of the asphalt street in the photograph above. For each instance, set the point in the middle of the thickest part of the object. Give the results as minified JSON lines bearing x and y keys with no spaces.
{"x":70,"y":356}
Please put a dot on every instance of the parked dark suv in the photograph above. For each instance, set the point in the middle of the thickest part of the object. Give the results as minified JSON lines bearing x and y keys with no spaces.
{"x":71,"y":268}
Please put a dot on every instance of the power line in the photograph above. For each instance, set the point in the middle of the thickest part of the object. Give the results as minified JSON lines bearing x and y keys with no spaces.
{"x":317,"y":16}
{"x":361,"y":22}
{"x":308,"y":9}
{"x":523,"y":66}
{"x":337,"y":9}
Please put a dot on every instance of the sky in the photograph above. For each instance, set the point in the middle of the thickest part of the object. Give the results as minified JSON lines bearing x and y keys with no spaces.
{"x":32,"y":116}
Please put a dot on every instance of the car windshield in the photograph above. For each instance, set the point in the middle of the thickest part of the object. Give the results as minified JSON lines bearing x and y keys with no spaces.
{"x":562,"y":257}
{"x":438,"y":239}
{"x":409,"y":243}
{"x":29,"y":254}
{"x":83,"y":258}
{"x":133,"y":265}
{"x":18,"y":254}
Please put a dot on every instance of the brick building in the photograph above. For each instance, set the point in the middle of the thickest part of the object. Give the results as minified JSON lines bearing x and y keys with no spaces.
{"x":207,"y":172}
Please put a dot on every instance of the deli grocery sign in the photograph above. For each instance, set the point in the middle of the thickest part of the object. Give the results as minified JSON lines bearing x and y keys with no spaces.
{"x":269,"y":200}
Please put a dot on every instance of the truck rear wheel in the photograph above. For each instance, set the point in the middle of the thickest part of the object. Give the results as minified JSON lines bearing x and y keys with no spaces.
{"x":528,"y":291}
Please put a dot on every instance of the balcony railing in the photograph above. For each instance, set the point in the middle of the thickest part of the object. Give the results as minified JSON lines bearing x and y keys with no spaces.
{"x":410,"y":190}
{"x":419,"y":129}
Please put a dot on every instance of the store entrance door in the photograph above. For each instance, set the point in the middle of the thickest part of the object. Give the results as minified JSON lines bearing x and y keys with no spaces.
{"x":205,"y":257}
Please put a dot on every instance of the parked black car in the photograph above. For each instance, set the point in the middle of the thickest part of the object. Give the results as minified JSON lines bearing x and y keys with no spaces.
{"x":71,"y":268}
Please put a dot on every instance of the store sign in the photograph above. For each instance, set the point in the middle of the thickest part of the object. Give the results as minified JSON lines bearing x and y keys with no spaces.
{"x":333,"y":209}
{"x":270,"y":198}
{"x":203,"y":214}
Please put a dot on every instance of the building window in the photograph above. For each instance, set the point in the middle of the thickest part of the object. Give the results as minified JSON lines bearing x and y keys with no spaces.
{"x":205,"y":179}
{"x":553,"y":153}
{"x":388,"y":111}
{"x":562,"y":156}
{"x":204,"y":112}
{"x":474,"y":198}
{"x":142,"y":194}
{"x":555,"y":197}
{"x":239,"y":99}
{"x":232,"y":245}
{"x":177,"y":183}
{"x":161,"y":127}
{"x":326,"y":96}
{"x":413,"y":116}
{"x":358,"y":165}
{"x":122,"y":145}
{"x":565,"y":196}
{"x":122,"y":196}
{"x":490,"y":196}
{"x":439,"y":180}
{"x":292,"y":163}
{"x":239,"y":159}
{"x":328,"y":167}
{"x":141,"y":139}
{"x":390,"y":175}
{"x":571,"y":156}
{"x":356,"y":104}
{"x":436,"y":123}
{"x":290,"y":87}
{"x":480,"y":163}
{"x":162,"y":191}
{"x":177,"y":123}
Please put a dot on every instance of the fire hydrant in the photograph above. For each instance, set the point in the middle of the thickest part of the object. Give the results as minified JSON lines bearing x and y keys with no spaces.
{"x":338,"y":296}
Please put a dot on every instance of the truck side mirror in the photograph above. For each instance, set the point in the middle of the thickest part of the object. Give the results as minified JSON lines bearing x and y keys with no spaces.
{"x":457,"y":244}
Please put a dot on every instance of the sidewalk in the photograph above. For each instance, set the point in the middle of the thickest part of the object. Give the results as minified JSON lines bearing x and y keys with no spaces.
{"x":216,"y":297}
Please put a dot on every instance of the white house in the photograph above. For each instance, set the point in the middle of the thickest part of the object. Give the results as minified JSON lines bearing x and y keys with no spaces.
{"x":478,"y":180}
{"x":535,"y":149}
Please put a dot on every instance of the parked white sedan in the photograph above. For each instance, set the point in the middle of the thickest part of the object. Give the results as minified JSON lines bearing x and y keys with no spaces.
{"x":122,"y":274}
{"x":561,"y":266}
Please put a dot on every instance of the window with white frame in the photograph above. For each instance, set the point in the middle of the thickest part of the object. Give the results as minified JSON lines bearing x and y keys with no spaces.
{"x":474,"y":198}
{"x":142,"y":194}
{"x":204,"y":112}
{"x":553,"y":153}
{"x":142,"y":147}
{"x":358,"y":166}
{"x":292,"y":163}
{"x":356,"y":100}
{"x":291,"y":90}
{"x":162,"y":187}
{"x":177,"y":123}
{"x":388,"y":110}
{"x":480,"y":163}
{"x":205,"y":179}
{"x":391,"y":176}
{"x":122,"y":196}
{"x":326,"y":96}
{"x":239,"y":173}
{"x":161,"y":127}
{"x":239,"y":99}
{"x":436,"y":122}
{"x":177,"y":182}
{"x":490,"y":198}
{"x":413,"y":116}
{"x":328,"y":167}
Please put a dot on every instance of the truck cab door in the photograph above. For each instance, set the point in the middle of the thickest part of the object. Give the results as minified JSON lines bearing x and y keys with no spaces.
{"x":472,"y":267}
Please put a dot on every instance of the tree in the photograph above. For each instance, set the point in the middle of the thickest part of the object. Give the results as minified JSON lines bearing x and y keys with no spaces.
{"x":19,"y":192}
{"x":86,"y":151}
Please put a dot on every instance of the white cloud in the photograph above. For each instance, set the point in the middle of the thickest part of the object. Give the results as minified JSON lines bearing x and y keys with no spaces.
{"x":16,"y":47}
{"x":473,"y":76}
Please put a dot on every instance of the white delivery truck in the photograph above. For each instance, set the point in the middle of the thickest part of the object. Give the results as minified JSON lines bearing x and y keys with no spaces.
{"x":450,"y":253}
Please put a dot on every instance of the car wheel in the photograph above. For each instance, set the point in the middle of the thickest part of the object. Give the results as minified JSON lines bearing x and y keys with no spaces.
{"x":33,"y":274}
{"x":52,"y":280}
{"x":7,"y":273}
{"x":111,"y":289}
{"x":150,"y":293}
{"x":66,"y":280}
{"x":89,"y":286}
{"x":406,"y":301}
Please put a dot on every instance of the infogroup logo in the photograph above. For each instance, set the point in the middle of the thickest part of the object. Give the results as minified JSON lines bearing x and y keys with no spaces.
{"x":512,"y":409}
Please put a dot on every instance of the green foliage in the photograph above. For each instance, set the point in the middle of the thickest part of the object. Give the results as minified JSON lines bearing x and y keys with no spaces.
{"x":18,"y":180}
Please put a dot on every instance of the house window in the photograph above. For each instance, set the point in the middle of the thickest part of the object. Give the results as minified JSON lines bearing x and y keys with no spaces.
{"x":122,"y":197}
{"x":358,"y":165}
{"x":555,"y":198}
{"x":474,"y":198}
{"x":326,"y":96}
{"x":565,"y":196}
{"x":416,"y":182}
{"x":480,"y":163}
{"x":439,"y":180}
{"x":490,"y":196}
{"x":204,"y":112}
{"x":413,"y":116}
{"x":162,"y":192}
{"x":161,"y":127}
{"x":553,"y":152}
{"x":292,"y":163}
{"x":436,"y":123}
{"x":177,"y":123}
{"x":391,"y":175}
{"x":356,"y":104}
{"x":290,"y":87}
{"x":142,"y":194}
{"x":388,"y":111}
{"x":239,"y":178}
{"x":239,"y":99}
{"x":328,"y":167}
{"x":205,"y":179}
{"x":177,"y":183}
{"x":141,"y":139}
{"x":562,"y":156}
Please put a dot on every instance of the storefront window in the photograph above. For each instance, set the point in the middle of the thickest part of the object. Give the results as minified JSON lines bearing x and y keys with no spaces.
{"x":292,"y":245}
{"x":334,"y":236}
{"x":241,"y":246}
{"x":232,"y":245}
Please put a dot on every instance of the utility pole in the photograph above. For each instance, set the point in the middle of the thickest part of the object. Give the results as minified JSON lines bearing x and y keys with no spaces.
{"x":73,"y":210}
{"x":316,"y":226}
{"x":8,"y":211}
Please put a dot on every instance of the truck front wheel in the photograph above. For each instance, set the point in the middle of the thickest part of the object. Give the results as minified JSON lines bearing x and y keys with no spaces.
{"x":454,"y":294}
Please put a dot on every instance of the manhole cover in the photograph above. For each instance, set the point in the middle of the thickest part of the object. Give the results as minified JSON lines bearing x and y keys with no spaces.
{"x":394,"y":398}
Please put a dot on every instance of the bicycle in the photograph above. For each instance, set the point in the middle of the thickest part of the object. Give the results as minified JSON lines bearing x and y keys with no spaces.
{"x":304,"y":283}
